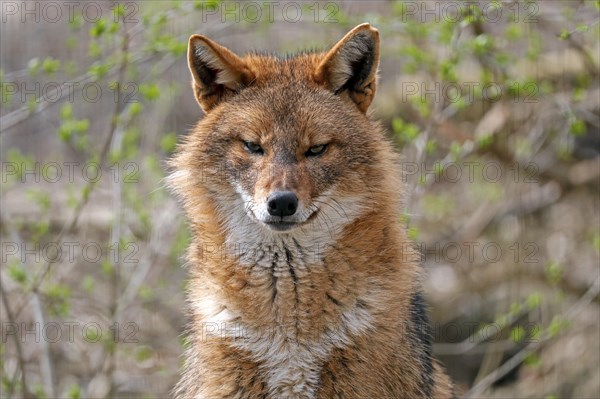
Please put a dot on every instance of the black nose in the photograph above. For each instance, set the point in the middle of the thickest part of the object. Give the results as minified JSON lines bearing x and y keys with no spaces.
{"x":282,"y":203}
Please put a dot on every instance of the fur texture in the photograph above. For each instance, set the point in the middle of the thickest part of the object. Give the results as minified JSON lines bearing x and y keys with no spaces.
{"x":330,"y":307}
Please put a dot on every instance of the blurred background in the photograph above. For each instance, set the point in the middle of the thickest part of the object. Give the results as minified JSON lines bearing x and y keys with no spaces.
{"x":494,"y":105}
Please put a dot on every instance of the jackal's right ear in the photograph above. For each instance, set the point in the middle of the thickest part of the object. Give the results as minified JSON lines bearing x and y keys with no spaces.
{"x":217,"y":72}
{"x":350,"y":67}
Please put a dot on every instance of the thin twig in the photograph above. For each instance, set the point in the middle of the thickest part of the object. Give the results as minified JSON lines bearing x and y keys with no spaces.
{"x":89,"y":188}
{"x":115,"y":144}
{"x":518,"y":358}
{"x":16,"y":338}
{"x":38,"y":315}
{"x":433,"y":122}
{"x":46,"y":362}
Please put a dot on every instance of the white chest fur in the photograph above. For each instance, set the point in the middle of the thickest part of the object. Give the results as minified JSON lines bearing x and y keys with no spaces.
{"x":291,"y":360}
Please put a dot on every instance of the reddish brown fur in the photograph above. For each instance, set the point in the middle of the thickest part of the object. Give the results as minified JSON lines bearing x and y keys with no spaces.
{"x":365,"y":267}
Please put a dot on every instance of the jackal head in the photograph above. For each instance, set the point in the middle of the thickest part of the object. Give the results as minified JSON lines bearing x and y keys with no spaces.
{"x":286,"y":143}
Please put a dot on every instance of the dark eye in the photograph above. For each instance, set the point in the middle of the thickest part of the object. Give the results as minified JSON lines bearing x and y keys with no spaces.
{"x":253,"y":148}
{"x":316,"y":150}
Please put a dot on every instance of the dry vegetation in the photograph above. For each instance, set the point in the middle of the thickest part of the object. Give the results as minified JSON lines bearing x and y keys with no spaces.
{"x":495,"y":108}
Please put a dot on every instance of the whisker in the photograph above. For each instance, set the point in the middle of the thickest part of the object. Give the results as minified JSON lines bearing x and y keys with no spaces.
{"x":341,"y":215}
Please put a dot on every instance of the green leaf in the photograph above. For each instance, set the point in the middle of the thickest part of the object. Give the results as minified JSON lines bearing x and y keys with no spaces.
{"x":107,"y":267}
{"x":397,"y":125}
{"x":455,"y":150}
{"x":41,"y":198}
{"x":88,"y":283}
{"x":168,"y":143}
{"x":514,"y":31}
{"x":143,"y":353}
{"x":534,"y":300}
{"x":58,"y":296}
{"x":92,"y":334}
{"x":150,"y":91}
{"x":33,"y":66}
{"x":17,"y":272}
{"x":431,"y":146}
{"x":406,"y":132}
{"x":71,"y":127}
{"x":482,"y":44}
{"x":557,"y":326}
{"x":517,"y":334}
{"x":74,"y":392}
{"x":515,"y":309}
{"x":533,"y":360}
{"x":135,"y":108}
{"x":554,"y":272}
{"x":66,"y":111}
{"x":76,"y":22}
{"x":413,"y":233}
{"x":85,"y":192}
{"x":32,"y":104}
{"x":98,"y":28}
{"x":145,"y":293}
{"x":577,"y":127}
{"x":485,"y":141}
{"x":119,"y":10}
{"x":502,"y":321}
{"x":99,"y":70}
{"x":94,"y":49}
{"x":596,"y":241}
{"x":564,"y":34}
{"x":50,"y":65}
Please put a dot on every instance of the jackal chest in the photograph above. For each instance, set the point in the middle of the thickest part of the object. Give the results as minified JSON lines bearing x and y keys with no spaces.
{"x":290,"y":327}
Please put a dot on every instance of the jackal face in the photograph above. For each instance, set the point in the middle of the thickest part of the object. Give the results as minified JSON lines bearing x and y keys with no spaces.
{"x":286,"y":142}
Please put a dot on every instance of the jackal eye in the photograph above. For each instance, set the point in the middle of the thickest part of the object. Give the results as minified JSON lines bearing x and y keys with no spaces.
{"x":316,"y":150}
{"x":253,"y":148}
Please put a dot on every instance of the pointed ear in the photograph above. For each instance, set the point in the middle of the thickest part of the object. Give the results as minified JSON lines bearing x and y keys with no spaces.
{"x":216,"y":71}
{"x":350,"y":67}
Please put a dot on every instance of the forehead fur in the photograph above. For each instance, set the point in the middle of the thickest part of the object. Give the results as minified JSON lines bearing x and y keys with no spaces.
{"x":288,"y":107}
{"x":285,"y":95}
{"x":270,"y":68}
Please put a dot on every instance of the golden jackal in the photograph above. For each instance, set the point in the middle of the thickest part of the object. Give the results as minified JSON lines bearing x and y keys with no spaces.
{"x":301,"y":286}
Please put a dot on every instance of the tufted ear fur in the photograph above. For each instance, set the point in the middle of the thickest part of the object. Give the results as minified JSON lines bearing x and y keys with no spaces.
{"x":350,"y":67}
{"x":216,"y":71}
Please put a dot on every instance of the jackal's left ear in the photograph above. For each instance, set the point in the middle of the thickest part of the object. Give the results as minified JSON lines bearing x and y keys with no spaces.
{"x":350,"y":67}
{"x":217,"y":72}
